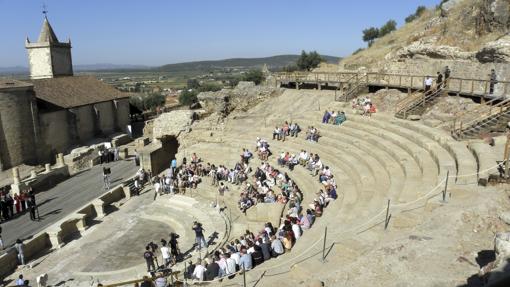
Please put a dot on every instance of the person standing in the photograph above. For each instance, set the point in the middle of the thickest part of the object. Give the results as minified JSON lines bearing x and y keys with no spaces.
{"x":2,"y":247}
{"x":149,"y":259}
{"x":174,"y":247}
{"x":199,"y":235}
{"x":106,"y":177}
{"x":19,"y":246}
{"x":439,"y":81}
{"x":165,"y":252}
{"x":492,"y":82}
{"x":446,"y":73}
{"x":31,"y":208}
{"x":17,"y":203}
{"x":428,"y":83}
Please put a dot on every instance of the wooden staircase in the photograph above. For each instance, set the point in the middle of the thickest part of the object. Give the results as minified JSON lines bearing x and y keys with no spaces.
{"x":492,"y":116}
{"x":416,"y":103}
{"x":352,"y":88}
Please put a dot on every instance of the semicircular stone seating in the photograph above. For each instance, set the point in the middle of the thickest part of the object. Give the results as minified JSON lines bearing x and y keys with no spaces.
{"x":373,"y":159}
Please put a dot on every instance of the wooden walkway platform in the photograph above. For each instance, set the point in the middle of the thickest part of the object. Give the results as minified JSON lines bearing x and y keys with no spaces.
{"x":342,"y":80}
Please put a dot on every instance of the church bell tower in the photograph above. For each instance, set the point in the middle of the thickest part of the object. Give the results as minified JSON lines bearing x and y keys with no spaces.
{"x":49,"y":58}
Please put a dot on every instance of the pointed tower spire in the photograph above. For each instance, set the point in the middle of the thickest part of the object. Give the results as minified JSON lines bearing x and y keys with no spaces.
{"x":47,"y":34}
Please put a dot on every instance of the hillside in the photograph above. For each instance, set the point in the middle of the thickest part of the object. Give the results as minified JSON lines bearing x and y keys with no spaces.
{"x":471,"y":36}
{"x":274,"y":62}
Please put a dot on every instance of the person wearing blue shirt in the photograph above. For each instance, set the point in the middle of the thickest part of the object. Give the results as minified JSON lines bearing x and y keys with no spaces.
{"x":245,"y":260}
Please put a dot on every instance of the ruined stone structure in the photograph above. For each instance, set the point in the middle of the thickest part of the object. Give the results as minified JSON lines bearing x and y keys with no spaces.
{"x":55,"y":111}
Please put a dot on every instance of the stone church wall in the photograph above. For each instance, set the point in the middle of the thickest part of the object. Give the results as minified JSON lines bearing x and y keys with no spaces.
{"x":85,"y":123}
{"x":17,"y":141}
{"x":106,"y":122}
{"x":123,"y":115}
{"x":54,"y":134}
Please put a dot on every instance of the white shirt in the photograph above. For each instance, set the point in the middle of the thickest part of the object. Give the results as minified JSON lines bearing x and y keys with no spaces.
{"x":428,"y":82}
{"x":231,"y":266}
{"x":165,"y":251}
{"x":296,"y":230}
{"x":199,"y":272}
{"x":236,"y":257}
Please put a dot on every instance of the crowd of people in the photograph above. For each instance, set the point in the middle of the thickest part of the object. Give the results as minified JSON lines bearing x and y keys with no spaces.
{"x":17,"y":205}
{"x":268,"y":185}
{"x":364,"y":106}
{"x":292,"y":130}
{"x":108,"y":155}
{"x":252,"y":249}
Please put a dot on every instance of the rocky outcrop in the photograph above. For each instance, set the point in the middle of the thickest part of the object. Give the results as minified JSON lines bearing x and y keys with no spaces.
{"x":172,"y":123}
{"x":495,"y":52}
{"x":245,"y":95}
{"x":448,"y":5}
{"x":427,"y":50}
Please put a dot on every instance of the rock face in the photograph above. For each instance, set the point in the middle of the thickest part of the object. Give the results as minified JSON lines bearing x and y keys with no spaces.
{"x":244,"y":96}
{"x":172,"y":123}
{"x":502,"y":249}
{"x":495,"y":52}
{"x":426,"y":50}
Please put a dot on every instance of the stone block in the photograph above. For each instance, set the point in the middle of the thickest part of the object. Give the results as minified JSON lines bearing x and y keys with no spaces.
{"x":99,"y":206}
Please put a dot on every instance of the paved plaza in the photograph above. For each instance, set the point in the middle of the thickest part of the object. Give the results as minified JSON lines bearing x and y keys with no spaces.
{"x":64,"y":198}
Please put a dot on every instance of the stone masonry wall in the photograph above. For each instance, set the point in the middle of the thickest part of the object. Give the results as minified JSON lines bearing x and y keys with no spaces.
{"x":17,"y":141}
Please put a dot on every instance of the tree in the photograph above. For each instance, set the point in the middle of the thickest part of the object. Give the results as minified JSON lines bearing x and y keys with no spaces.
{"x":419,"y":11}
{"x":187,"y":97}
{"x":255,"y":76}
{"x":193,"y":84}
{"x":309,"y":61}
{"x":370,"y":34}
{"x":387,"y":28}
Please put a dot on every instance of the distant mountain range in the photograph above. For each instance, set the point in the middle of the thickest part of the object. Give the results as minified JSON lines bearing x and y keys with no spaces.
{"x":274,"y":62}
{"x":77,"y":68}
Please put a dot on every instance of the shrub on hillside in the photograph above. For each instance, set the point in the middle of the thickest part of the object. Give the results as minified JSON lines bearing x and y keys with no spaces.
{"x":387,"y":28}
{"x":255,"y":76}
{"x":370,"y":34}
{"x":419,"y":11}
{"x":188,"y":97}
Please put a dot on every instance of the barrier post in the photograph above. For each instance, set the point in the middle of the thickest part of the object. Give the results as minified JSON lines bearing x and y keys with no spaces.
{"x":244,"y":277}
{"x":388,"y":216}
{"x":507,"y":155}
{"x":324,"y":245}
{"x":185,"y":277}
{"x":446,"y":185}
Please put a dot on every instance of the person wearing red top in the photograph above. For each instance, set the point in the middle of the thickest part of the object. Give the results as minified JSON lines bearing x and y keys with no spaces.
{"x":17,"y":203}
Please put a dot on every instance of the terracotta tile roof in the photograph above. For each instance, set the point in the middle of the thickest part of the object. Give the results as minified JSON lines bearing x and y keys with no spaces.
{"x":74,"y":91}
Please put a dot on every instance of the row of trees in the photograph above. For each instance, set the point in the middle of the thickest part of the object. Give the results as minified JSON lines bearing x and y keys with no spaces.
{"x":372,"y":33}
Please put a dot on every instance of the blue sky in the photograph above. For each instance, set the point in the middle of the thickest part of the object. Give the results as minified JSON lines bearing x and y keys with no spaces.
{"x":157,"y":32}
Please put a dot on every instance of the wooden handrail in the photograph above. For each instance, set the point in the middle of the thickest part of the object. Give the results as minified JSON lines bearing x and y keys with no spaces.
{"x":477,"y":117}
{"x":393,"y":74}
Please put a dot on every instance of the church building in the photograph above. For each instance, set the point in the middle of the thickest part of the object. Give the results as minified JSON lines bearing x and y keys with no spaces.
{"x":55,"y":111}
